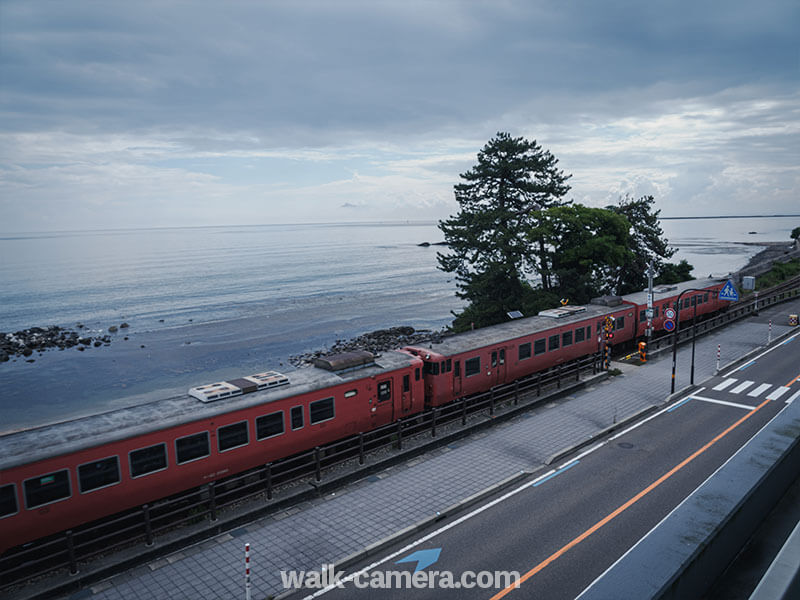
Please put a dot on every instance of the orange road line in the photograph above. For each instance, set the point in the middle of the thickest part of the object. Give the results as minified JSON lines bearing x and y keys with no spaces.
{"x":611,"y":516}
{"x":793,"y":380}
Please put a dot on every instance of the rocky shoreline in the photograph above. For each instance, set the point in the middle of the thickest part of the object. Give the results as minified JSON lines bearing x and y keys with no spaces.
{"x":376,"y":342}
{"x":38,"y":339}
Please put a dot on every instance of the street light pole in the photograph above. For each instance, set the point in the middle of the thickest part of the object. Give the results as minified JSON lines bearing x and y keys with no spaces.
{"x":678,"y":329}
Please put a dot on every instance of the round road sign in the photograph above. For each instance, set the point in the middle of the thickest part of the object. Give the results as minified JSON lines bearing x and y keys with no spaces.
{"x":669,"y":324}
{"x":669,"y":314}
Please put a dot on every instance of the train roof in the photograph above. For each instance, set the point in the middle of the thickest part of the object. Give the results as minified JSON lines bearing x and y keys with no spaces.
{"x":517,"y":328}
{"x":668,"y":291}
{"x":31,"y":445}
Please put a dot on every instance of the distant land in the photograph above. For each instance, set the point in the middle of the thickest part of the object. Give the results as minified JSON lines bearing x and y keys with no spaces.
{"x":729,"y":217}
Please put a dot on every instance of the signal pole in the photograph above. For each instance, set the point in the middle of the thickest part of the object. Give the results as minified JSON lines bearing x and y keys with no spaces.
{"x":649,"y":312}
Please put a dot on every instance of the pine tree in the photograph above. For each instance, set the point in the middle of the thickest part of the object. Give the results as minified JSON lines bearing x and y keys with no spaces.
{"x":499,"y":200}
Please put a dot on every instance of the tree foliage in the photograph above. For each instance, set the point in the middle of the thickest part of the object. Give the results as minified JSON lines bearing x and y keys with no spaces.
{"x":500,"y":199}
{"x":672,"y":273}
{"x":647,"y":243}
{"x":587,"y":248}
{"x":795,"y":233}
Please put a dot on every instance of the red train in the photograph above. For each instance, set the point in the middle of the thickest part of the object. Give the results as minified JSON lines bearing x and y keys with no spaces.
{"x":56,"y":477}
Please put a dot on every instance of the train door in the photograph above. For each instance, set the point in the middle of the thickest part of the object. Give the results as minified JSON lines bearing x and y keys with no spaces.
{"x":497,"y":366}
{"x":382,"y":403}
{"x":456,"y":378}
{"x":405,"y":395}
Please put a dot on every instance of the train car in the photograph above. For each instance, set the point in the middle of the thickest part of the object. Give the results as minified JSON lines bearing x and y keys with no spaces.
{"x":666,"y":296}
{"x":56,"y":477}
{"x":475,"y":361}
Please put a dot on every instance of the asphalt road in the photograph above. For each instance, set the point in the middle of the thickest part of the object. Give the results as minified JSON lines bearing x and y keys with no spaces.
{"x":564,"y":528}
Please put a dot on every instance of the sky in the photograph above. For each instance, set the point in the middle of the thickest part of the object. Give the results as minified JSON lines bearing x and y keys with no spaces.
{"x":158,"y":114}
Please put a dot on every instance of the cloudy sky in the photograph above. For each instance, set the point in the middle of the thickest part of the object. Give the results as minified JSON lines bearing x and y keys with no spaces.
{"x":137,"y":114}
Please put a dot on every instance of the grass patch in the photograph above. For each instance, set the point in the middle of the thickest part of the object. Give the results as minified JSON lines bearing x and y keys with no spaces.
{"x":779,"y":273}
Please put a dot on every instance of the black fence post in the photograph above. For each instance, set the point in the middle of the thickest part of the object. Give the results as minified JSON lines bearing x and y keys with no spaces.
{"x":539,"y":384}
{"x":399,"y":434}
{"x":317,"y":464}
{"x":433,"y":421}
{"x":491,"y":401}
{"x":148,"y":526}
{"x":360,"y":448}
{"x":212,"y":501}
{"x":463,"y":411}
{"x":558,"y":377}
{"x":268,"y":477}
{"x":578,"y":371}
{"x":73,"y":563}
{"x":516,"y":392}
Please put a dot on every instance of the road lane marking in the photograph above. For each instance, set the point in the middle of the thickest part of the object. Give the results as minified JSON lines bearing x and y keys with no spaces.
{"x":777,"y":392}
{"x":622,"y":508}
{"x":557,"y":472}
{"x":742,"y":387}
{"x":767,"y":351}
{"x":679,"y":404}
{"x":743,"y":367}
{"x":682,"y":502}
{"x":793,"y":397}
{"x":759,"y":390}
{"x":727,"y":383}
{"x":723,"y":402}
{"x":653,"y":416}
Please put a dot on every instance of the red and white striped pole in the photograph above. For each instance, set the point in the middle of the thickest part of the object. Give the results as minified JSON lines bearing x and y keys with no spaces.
{"x":247,"y":571}
{"x":718,"y":353}
{"x":769,"y":337}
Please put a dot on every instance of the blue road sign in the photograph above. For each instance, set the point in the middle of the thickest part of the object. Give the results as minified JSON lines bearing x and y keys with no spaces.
{"x":728,"y":292}
{"x":669,"y":324}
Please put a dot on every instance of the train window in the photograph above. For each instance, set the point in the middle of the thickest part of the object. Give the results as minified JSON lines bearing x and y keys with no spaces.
{"x":494,"y":359}
{"x":270,"y":425}
{"x":539,"y":347}
{"x":580,"y":335}
{"x":458,"y":369}
{"x":192,"y":447}
{"x":416,"y":374}
{"x":385,"y":390}
{"x":502,"y":357}
{"x":449,"y":364}
{"x":148,"y":460}
{"x":705,"y":297}
{"x":296,"y":417}
{"x":552,"y":343}
{"x":620,"y":323}
{"x":443,"y":365}
{"x":322,"y":410}
{"x":655,"y":312}
{"x":98,"y":474}
{"x":48,"y":488}
{"x":642,"y":316}
{"x":472,"y":366}
{"x":566,"y":338}
{"x":406,"y":384}
{"x":8,"y":500}
{"x":588,"y":332}
{"x":431,"y":368}
{"x":232,"y":436}
{"x":524,"y":351}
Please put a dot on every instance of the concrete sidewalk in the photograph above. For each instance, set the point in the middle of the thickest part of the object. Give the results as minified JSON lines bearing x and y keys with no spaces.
{"x":326,"y":530}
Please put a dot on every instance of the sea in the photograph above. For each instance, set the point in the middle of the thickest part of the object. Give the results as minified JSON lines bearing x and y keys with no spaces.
{"x":211,"y":303}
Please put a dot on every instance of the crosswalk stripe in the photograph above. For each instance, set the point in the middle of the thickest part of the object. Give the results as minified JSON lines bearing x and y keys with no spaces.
{"x":759,"y":390}
{"x":793,"y":397}
{"x":777,"y":392}
{"x":742,"y":387}
{"x":727,"y":383}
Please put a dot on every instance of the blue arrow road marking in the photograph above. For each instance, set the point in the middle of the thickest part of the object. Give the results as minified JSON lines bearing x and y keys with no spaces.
{"x":559,"y":472}
{"x":423,"y":558}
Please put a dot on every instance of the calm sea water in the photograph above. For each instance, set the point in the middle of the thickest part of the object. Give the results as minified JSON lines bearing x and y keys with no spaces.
{"x":219,"y":302}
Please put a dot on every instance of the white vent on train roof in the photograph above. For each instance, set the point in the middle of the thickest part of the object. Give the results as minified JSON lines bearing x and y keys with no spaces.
{"x":564,"y":311}
{"x":664,"y":288}
{"x":236,"y":387}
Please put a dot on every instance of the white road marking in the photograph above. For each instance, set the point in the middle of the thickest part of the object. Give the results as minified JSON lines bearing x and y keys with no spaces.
{"x":742,"y":387}
{"x":724,"y":403}
{"x":653,"y":416}
{"x":763,"y":353}
{"x":778,"y":392}
{"x":727,"y":383}
{"x":793,"y":397}
{"x":759,"y":390}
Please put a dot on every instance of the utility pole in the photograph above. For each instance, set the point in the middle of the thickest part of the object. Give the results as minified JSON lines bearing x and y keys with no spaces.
{"x":649,"y":312}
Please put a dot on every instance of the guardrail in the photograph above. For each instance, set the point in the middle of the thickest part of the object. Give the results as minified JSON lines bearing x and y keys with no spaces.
{"x":70,"y":549}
